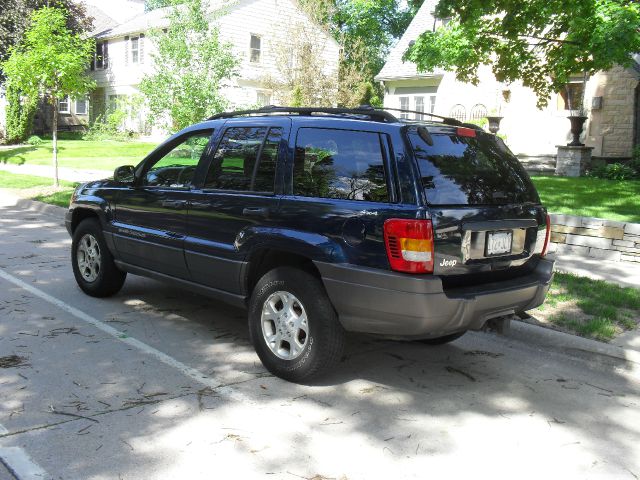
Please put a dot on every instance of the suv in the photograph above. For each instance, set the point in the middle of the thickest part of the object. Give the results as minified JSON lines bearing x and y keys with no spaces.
{"x":320,"y":222}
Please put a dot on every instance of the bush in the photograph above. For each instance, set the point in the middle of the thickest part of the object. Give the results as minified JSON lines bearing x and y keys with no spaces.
{"x":615,"y":171}
{"x":20,"y":113}
{"x":34,"y":140}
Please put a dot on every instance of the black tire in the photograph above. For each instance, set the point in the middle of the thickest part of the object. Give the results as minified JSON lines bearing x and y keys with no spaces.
{"x":323,"y":345}
{"x":442,"y":340}
{"x":109,"y":278}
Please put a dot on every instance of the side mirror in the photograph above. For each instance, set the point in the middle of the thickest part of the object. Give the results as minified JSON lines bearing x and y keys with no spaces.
{"x":125,"y":174}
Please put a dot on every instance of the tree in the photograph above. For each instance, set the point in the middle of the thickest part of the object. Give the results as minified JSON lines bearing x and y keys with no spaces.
{"x":20,"y":112}
{"x":15,"y":15}
{"x":153,"y":4}
{"x":51,"y":61}
{"x":190,"y":66}
{"x":540,"y":42}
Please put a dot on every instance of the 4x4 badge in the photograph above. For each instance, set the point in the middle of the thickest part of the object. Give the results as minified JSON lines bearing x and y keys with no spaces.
{"x":448,"y":263}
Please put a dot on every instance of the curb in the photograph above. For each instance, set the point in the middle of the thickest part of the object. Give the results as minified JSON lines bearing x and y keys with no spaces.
{"x":40,"y":207}
{"x":566,"y":342}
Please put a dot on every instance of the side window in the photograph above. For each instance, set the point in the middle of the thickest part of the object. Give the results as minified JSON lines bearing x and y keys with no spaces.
{"x":236,"y":165}
{"x":339,"y":164}
{"x":176,"y":168}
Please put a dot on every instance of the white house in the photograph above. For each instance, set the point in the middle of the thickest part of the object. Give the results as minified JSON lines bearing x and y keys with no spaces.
{"x":253,"y":28}
{"x":612,"y":99}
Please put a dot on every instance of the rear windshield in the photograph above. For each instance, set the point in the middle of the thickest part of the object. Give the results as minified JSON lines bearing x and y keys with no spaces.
{"x":470,"y":170}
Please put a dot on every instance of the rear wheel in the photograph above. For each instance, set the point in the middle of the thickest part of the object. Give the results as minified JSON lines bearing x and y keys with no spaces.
{"x":442,"y":340}
{"x":293,"y":326}
{"x":93,"y":265}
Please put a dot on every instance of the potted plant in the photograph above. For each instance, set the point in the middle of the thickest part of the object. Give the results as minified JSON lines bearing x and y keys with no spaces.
{"x":577,"y":115}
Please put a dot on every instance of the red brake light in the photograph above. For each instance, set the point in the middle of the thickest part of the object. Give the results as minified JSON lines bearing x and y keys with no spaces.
{"x":409,"y":245}
{"x":466,"y":132}
{"x":546,"y":237}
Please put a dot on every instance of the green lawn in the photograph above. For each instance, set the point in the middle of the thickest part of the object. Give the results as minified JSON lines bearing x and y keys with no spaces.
{"x":86,"y":154}
{"x":591,"y":308}
{"x":17,"y":180}
{"x":591,"y":197}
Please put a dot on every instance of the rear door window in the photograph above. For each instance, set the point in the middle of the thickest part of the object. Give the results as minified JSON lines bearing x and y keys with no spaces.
{"x":245,"y":160}
{"x":342,"y":164}
{"x":463,"y":170}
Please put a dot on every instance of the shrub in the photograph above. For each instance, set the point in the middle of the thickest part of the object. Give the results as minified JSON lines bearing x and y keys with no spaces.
{"x":20,"y":113}
{"x":614,"y":171}
{"x":34,"y":140}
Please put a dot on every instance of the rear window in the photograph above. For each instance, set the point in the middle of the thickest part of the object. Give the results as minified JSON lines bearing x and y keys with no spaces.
{"x":477,"y":170}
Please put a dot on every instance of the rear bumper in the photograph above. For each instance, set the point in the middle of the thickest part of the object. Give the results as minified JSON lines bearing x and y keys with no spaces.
{"x":398,"y":305}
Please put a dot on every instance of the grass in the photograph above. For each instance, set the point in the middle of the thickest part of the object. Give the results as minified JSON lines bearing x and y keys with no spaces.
{"x":38,"y":188}
{"x":82,"y":154}
{"x":591,"y":197}
{"x":590,"y":308}
{"x":17,"y":180}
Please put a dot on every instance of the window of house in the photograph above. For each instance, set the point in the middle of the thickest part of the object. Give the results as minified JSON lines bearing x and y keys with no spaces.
{"x":404,"y":105}
{"x":458,"y":112}
{"x":570,"y":97}
{"x":81,"y":106}
{"x":341,"y":164}
{"x":263,"y":99}
{"x":432,"y":103}
{"x":255,"y":47}
{"x":176,"y":168}
{"x":64,"y":105}
{"x":100,"y":56}
{"x":245,"y":160}
{"x":135,"y":52}
{"x":419,"y":107}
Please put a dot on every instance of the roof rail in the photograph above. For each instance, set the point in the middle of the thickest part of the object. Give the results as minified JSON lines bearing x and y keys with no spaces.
{"x":447,"y":120}
{"x":374,"y":114}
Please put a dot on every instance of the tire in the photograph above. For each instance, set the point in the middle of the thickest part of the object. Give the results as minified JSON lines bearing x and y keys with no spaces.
{"x":93,"y":265}
{"x":300,"y":350}
{"x":442,"y":340}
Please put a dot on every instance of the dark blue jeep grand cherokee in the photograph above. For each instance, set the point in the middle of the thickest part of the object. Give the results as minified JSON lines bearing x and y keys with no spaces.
{"x":322,"y":221}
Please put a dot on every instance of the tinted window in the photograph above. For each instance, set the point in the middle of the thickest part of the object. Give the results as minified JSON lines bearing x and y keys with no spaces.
{"x":470,"y":170}
{"x":234,"y":165}
{"x":342,"y":164}
{"x":176,"y":168}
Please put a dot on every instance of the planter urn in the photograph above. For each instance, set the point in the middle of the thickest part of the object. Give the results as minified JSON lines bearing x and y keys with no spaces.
{"x":577,"y":125}
{"x":494,"y":124}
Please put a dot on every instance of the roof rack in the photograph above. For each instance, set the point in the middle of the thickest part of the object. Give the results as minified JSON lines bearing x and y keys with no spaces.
{"x":364,"y":110}
{"x":446,"y":120}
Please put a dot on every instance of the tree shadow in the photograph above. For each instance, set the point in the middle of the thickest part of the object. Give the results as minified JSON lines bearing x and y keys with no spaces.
{"x":15,"y":155}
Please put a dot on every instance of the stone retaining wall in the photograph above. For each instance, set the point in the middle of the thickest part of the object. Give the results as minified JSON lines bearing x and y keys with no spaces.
{"x":595,"y":237}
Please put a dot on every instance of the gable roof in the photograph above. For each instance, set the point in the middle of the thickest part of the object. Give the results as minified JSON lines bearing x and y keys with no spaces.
{"x":101,"y":21}
{"x":395,"y":68}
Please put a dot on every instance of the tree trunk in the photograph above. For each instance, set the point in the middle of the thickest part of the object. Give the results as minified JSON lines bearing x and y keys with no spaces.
{"x":54,"y":132}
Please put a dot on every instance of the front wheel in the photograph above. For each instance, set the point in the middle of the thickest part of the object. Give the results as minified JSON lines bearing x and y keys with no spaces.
{"x":93,"y":265}
{"x":293,"y":326}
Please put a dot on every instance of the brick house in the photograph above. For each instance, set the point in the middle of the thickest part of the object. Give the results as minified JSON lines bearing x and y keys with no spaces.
{"x":612,"y":99}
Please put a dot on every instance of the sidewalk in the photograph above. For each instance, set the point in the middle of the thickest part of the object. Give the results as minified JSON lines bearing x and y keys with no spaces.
{"x":64,"y":173}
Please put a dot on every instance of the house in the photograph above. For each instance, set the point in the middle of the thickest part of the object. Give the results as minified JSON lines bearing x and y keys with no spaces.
{"x":256,"y":30}
{"x":612,"y":101}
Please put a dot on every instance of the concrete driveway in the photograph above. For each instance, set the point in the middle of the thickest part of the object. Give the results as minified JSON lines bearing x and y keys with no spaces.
{"x":158,"y":383}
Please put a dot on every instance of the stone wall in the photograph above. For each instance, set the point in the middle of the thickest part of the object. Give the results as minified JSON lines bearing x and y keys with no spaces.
{"x":538,"y":164}
{"x":595,"y":237}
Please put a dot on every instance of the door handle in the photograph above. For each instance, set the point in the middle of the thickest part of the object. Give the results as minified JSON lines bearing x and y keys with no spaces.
{"x":177,"y":204}
{"x":262,"y":212}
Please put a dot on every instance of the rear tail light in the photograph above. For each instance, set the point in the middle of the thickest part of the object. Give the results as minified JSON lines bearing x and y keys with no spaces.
{"x":546,"y":237}
{"x":409,"y":245}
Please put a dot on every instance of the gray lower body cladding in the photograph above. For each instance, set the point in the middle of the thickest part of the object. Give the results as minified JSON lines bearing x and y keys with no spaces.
{"x":408,"y":306}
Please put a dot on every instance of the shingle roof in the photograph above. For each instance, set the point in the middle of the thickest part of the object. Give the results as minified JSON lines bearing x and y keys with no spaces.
{"x":395,"y":68}
{"x":101,"y":21}
{"x":157,"y":18}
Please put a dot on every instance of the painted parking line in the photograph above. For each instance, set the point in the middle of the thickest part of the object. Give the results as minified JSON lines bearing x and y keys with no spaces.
{"x":20,"y":464}
{"x":190,"y":372}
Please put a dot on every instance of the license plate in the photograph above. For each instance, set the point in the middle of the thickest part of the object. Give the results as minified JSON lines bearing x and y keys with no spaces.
{"x":499,"y":243}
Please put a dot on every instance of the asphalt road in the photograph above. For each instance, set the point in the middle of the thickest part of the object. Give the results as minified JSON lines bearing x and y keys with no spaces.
{"x":158,"y":383}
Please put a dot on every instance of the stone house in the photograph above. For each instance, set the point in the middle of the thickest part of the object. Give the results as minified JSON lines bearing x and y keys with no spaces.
{"x":255,"y":30}
{"x":612,"y":100}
